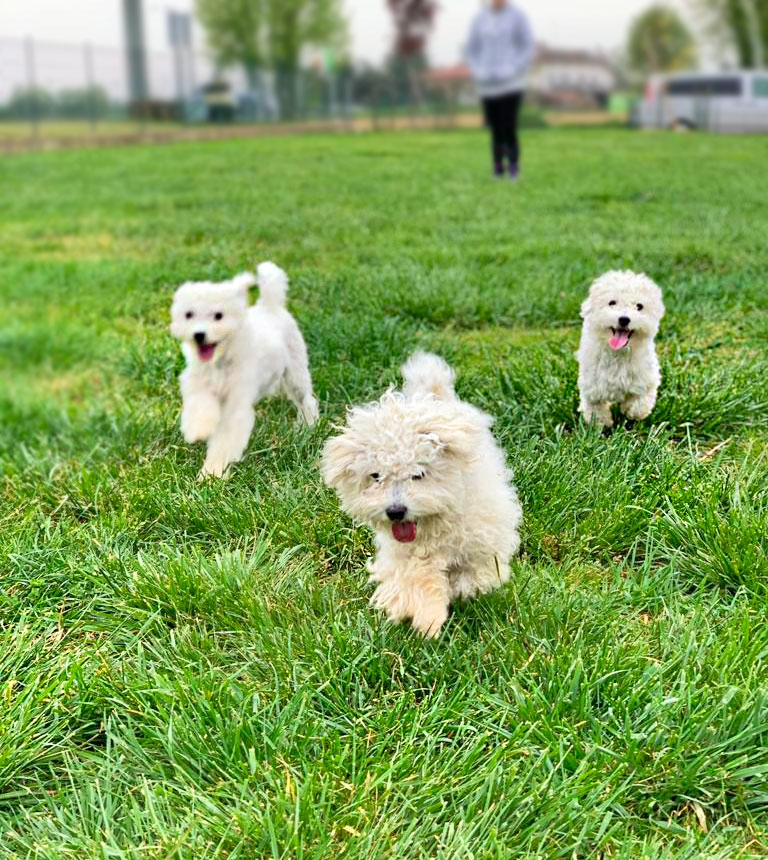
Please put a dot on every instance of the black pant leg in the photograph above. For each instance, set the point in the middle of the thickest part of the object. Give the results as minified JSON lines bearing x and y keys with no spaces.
{"x":508,"y":131}
{"x":494,"y":121}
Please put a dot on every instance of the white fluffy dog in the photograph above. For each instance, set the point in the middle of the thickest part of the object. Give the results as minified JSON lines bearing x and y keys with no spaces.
{"x":617,"y":357}
{"x":421,"y":468}
{"x":236,"y":355}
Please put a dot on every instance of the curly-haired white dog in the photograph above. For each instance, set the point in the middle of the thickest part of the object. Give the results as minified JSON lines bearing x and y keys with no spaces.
{"x":236,"y":355}
{"x":421,"y":468}
{"x":617,"y":356}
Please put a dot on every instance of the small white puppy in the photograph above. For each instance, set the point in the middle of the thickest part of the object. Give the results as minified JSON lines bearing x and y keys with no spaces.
{"x":617,"y":356}
{"x":421,"y":468}
{"x":236,"y":355}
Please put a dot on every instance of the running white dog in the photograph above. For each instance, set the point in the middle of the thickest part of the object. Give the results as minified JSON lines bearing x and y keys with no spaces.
{"x":617,"y":356}
{"x":236,"y":355}
{"x":421,"y":468}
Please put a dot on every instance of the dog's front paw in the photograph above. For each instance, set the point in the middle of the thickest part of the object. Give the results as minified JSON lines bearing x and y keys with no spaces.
{"x":637,"y":408}
{"x":598,"y":414}
{"x":390,"y":599}
{"x":465,"y":586}
{"x":198,"y":426}
{"x":309,"y":410}
{"x":635,"y":413}
{"x":214,"y":467}
{"x":428,"y":620}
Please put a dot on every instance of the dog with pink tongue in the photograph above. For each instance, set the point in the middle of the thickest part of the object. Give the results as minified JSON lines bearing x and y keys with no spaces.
{"x":617,"y":355}
{"x":236,"y":354}
{"x":421,"y":468}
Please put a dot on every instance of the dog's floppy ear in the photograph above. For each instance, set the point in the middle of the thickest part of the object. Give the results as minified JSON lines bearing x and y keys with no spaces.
{"x":586,"y":306}
{"x":243,"y":281}
{"x":339,"y":453}
{"x":180,"y":289}
{"x":456,"y":435}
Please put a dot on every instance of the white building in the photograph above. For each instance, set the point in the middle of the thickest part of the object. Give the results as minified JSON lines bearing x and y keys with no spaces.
{"x":571,"y":78}
{"x":558,"y":77}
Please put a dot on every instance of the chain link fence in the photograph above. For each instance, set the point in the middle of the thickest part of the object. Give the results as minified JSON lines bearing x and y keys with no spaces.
{"x":59,"y":90}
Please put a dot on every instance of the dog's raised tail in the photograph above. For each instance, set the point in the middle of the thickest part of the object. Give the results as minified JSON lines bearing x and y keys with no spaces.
{"x":273,"y":283}
{"x":427,"y":373}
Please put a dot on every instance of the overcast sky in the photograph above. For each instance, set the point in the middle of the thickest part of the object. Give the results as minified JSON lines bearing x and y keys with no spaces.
{"x":567,"y":23}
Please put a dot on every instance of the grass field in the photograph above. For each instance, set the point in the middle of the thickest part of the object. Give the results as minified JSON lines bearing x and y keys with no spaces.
{"x":17,"y":135}
{"x":191,"y":670}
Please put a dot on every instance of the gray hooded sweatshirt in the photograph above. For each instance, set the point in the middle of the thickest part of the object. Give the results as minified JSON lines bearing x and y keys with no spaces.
{"x":499,"y":51}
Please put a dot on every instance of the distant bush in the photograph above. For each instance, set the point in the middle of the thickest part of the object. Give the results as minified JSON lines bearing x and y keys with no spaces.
{"x":38,"y":103}
{"x":31,"y":103}
{"x":532,"y":116}
{"x":84,"y":103}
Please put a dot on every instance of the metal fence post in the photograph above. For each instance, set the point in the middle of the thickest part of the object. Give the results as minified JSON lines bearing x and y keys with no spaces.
{"x":296,"y":83}
{"x":29,"y":54}
{"x":333,"y":95}
{"x":90,"y":85}
{"x":347,"y":106}
{"x":178,"y":74}
{"x":191,"y":69}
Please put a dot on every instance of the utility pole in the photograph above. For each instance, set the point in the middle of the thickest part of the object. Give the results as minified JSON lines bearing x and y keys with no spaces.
{"x":136,"y":55}
{"x":180,"y":39}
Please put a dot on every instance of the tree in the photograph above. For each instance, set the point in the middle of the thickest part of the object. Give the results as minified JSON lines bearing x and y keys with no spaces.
{"x":742,"y":24}
{"x":413,"y":20}
{"x":659,"y":41}
{"x":271,"y":33}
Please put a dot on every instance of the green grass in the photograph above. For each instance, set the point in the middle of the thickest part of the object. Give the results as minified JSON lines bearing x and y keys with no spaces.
{"x":191,"y":670}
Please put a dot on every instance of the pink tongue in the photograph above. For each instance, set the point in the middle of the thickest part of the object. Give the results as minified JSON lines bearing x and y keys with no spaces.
{"x":206,"y":351}
{"x":405,"y":531}
{"x":619,"y":340}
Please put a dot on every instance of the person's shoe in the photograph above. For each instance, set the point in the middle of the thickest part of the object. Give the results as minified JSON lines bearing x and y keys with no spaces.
{"x":514,"y":172}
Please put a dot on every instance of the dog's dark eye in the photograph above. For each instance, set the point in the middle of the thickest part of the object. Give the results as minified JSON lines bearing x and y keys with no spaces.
{"x":374,"y":476}
{"x":417,"y":477}
{"x":189,"y":315}
{"x":639,"y":307}
{"x":611,"y":303}
{"x":218,"y":315}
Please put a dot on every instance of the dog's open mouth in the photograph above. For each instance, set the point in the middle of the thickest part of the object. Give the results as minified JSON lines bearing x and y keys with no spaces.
{"x":404,"y":531}
{"x":620,"y":337}
{"x":205,"y":351}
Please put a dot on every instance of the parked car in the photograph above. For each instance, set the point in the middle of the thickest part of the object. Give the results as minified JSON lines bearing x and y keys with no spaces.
{"x":219,"y":100}
{"x":734,"y":101}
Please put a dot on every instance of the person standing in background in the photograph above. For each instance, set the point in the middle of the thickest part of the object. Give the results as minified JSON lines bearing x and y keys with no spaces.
{"x":499,"y":52}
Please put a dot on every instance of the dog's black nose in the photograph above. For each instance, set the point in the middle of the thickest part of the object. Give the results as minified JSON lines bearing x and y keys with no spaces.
{"x":623,"y":321}
{"x":396,"y":512}
{"x":199,"y":337}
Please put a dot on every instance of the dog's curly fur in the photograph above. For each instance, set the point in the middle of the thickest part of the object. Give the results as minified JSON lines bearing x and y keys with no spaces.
{"x":236,"y":355}
{"x":422,"y":469}
{"x":617,"y":356}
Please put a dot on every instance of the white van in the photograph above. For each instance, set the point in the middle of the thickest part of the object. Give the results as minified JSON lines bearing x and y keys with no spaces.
{"x":721,"y":101}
